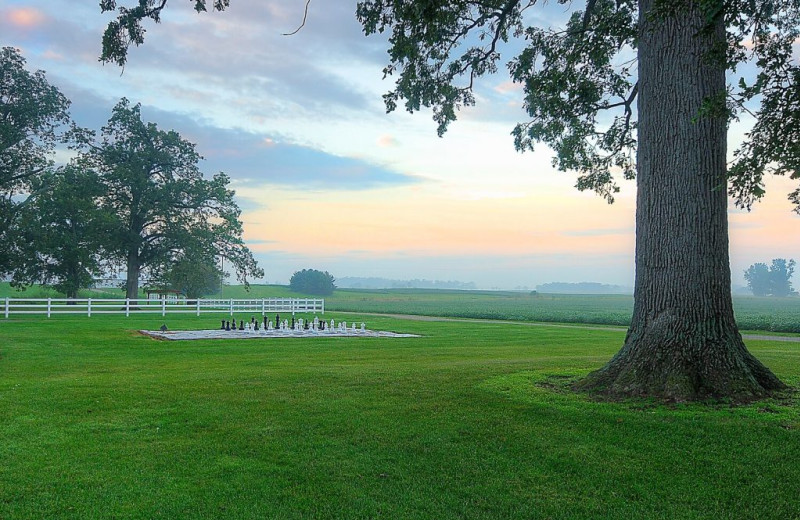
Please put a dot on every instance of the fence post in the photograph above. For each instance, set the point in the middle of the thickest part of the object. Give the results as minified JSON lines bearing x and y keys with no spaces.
{"x":89,"y":308}
{"x":163,"y":307}
{"x":127,"y":307}
{"x":7,"y":301}
{"x":231,"y":306}
{"x":197,"y":301}
{"x":49,"y":300}
{"x":323,"y":306}
{"x":263,"y":307}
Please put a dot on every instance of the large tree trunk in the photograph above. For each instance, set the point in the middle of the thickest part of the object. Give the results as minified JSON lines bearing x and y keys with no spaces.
{"x":132,"y":280}
{"x":683,"y":343}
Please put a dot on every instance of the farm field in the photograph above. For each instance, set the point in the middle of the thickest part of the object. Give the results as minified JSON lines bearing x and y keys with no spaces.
{"x":470,"y":420}
{"x":752,"y":313}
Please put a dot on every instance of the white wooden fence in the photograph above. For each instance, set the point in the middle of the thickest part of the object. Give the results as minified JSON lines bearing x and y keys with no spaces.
{"x":89,"y":306}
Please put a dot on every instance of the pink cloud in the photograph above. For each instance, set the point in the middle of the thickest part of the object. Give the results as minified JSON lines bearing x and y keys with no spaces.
{"x":508,"y":86}
{"x":387,"y":141}
{"x":26,"y":17}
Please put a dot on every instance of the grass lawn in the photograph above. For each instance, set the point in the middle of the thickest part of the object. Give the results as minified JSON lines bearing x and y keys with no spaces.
{"x":468,"y":421}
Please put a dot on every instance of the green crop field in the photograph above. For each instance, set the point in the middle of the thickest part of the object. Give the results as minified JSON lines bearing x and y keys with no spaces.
{"x":471,"y":420}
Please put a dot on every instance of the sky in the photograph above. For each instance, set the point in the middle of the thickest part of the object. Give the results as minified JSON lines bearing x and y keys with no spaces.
{"x":327,"y":180}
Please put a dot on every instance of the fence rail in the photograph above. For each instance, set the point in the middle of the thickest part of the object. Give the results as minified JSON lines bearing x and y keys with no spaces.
{"x":90,"y":306}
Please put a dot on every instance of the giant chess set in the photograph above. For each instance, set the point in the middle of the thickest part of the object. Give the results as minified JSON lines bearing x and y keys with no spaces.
{"x":296,"y":328}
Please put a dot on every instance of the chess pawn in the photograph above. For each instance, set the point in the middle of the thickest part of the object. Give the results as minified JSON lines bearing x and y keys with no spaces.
{"x":241,"y":324}
{"x":305,"y":325}
{"x":363,"y":327}
{"x":228,"y":325}
{"x":223,"y":325}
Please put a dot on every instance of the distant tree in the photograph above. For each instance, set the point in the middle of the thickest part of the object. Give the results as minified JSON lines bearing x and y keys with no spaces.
{"x":758,"y":279}
{"x":194,"y":278}
{"x":781,"y":276}
{"x":311,"y":281}
{"x":62,"y":231}
{"x":163,"y":206}
{"x":773,"y":280}
{"x":32,"y":112}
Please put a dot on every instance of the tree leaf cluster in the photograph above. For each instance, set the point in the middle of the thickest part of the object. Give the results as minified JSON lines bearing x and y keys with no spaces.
{"x":127,"y":29}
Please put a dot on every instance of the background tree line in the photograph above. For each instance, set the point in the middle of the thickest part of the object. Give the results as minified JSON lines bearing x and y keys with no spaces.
{"x":133,"y":198}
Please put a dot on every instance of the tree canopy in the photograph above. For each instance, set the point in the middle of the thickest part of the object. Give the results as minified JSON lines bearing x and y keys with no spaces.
{"x":311,"y":281}
{"x":163,"y":206}
{"x":33,"y":117}
{"x":772,"y":280}
{"x":63,"y":232}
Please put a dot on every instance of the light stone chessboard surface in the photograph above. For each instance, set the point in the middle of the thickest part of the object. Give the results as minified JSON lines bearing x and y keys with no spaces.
{"x":272,"y":333}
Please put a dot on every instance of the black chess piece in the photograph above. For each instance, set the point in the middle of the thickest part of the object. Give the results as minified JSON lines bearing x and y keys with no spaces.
{"x":223,"y":325}
{"x":265,"y":322}
{"x":252,"y":319}
{"x":277,"y":319}
{"x":322,"y":325}
{"x":256,"y":325}
{"x":241,"y":324}
{"x":305,"y":325}
{"x":292,"y":326}
{"x":164,"y":327}
{"x":227,"y":325}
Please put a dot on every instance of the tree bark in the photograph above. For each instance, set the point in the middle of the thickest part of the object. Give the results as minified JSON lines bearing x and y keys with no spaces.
{"x":683,"y":342}
{"x":132,"y":279}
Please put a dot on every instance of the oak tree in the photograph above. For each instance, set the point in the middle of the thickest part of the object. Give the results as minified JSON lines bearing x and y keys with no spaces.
{"x":163,"y":205}
{"x":63,"y":230}
{"x":33,"y":117}
{"x":630,"y":88}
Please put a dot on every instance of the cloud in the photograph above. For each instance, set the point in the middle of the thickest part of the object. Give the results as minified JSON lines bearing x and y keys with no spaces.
{"x":387,"y":141}
{"x":24,"y":17}
{"x":253,"y":161}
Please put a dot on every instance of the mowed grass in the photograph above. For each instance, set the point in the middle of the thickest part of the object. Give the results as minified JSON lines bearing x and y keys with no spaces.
{"x":467,"y":421}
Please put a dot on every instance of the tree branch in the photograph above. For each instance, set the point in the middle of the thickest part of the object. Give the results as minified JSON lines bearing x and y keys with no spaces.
{"x":305,"y":16}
